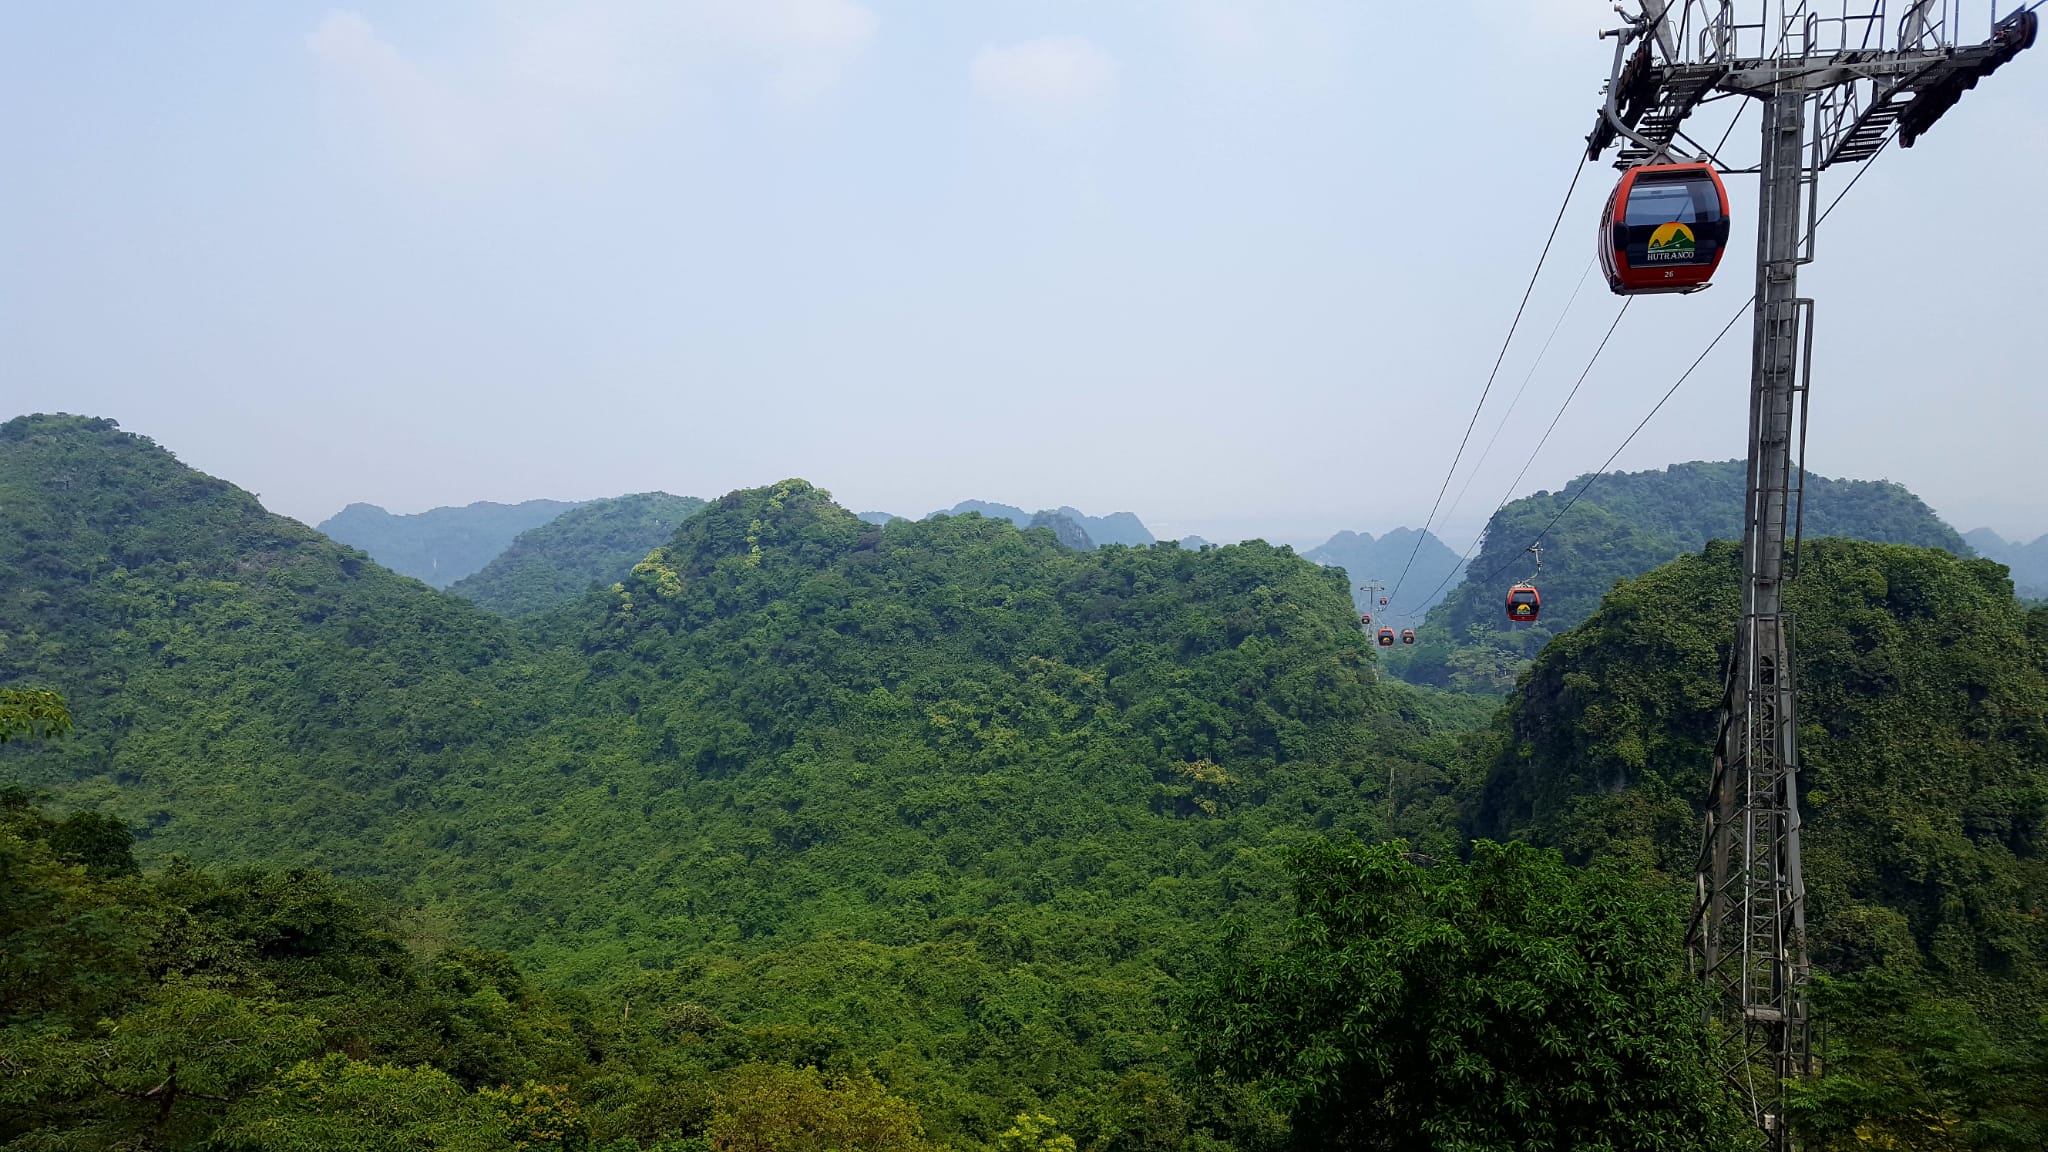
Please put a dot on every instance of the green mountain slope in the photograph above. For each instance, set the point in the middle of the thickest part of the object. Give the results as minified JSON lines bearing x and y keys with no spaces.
{"x":1924,"y":696}
{"x":943,"y":799}
{"x":440,"y":545}
{"x":1626,"y":524}
{"x":900,"y":719}
{"x":592,"y":543}
{"x":243,"y":685}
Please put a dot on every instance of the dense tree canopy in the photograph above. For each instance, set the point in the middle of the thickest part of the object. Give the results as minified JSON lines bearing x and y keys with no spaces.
{"x":1514,"y":1003}
{"x":945,"y":798}
{"x":182,"y":1009}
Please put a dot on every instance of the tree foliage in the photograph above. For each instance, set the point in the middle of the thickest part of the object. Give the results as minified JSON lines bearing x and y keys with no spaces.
{"x":1513,"y":1003}
{"x":35,"y":713}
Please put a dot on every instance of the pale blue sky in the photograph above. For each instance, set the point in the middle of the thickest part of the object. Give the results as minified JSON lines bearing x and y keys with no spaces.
{"x":1239,"y":266}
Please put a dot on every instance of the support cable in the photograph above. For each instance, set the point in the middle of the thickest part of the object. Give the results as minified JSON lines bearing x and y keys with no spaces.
{"x":1517,"y":481}
{"x":1602,"y":470}
{"x":1512,"y":404}
{"x":1577,"y":171}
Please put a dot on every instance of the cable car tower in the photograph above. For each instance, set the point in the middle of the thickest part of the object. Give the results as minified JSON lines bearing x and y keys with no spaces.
{"x":1835,"y":79}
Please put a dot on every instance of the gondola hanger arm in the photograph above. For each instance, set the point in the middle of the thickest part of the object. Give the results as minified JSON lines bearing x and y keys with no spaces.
{"x":1623,"y":37}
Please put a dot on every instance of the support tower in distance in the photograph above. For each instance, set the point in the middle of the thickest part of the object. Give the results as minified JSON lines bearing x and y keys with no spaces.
{"x":1836,"y":80}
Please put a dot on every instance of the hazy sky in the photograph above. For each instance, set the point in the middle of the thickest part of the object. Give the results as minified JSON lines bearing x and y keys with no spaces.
{"x":1239,"y":266}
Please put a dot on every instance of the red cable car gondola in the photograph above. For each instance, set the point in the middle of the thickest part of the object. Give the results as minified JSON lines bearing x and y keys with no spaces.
{"x":1386,"y":637}
{"x":1383,"y":601}
{"x":1665,"y":228}
{"x":1365,"y":619}
{"x":1407,"y":635}
{"x":1525,"y":604}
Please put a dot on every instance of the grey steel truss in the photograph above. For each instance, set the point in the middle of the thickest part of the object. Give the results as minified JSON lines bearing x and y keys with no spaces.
{"x":1835,"y":83}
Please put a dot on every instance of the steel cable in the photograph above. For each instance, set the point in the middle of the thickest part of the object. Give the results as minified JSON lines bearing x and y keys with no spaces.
{"x":1541,"y":258}
{"x":1534,"y":452}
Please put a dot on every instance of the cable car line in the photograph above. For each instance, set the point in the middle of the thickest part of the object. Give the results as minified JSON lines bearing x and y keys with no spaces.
{"x":1517,"y":481}
{"x":1676,"y":384}
{"x":1602,"y":470}
{"x":1715,"y":155}
{"x":1509,"y":414}
{"x":1577,"y":170}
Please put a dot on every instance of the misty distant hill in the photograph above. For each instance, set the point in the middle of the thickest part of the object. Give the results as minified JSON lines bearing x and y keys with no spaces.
{"x":1115,"y":528}
{"x":2029,"y":562}
{"x":1067,"y":529}
{"x":878,"y":517}
{"x":1365,"y":559}
{"x":594,"y":543}
{"x":442,"y":545}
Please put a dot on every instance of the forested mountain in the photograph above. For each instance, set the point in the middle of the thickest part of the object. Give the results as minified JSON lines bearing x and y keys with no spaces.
{"x":2028,"y":562}
{"x":594,"y":543}
{"x":244,"y":686}
{"x":1384,"y":559}
{"x":1924,"y":697}
{"x":914,"y":835}
{"x":941,"y":799}
{"x":440,"y":545}
{"x":1115,"y":528}
{"x":1625,"y":524}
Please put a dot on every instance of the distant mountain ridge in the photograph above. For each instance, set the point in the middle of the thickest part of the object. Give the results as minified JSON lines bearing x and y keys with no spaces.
{"x":2028,"y":562}
{"x":441,"y":545}
{"x":1366,"y":559}
{"x":591,"y":544}
{"x":1115,"y":528}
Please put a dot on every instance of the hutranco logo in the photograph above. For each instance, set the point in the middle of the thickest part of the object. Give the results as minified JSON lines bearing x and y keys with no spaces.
{"x":1673,"y":241}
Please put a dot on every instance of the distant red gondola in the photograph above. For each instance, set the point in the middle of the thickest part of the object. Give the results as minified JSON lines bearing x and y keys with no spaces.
{"x":1383,"y":601}
{"x":1386,"y":637}
{"x":1365,"y":619}
{"x":1525,"y":604}
{"x":1407,"y":635}
{"x":1665,"y":229}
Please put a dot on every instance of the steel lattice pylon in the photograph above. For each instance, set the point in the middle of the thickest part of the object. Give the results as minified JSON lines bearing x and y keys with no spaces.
{"x":1749,"y":935}
{"x":1835,"y":85}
